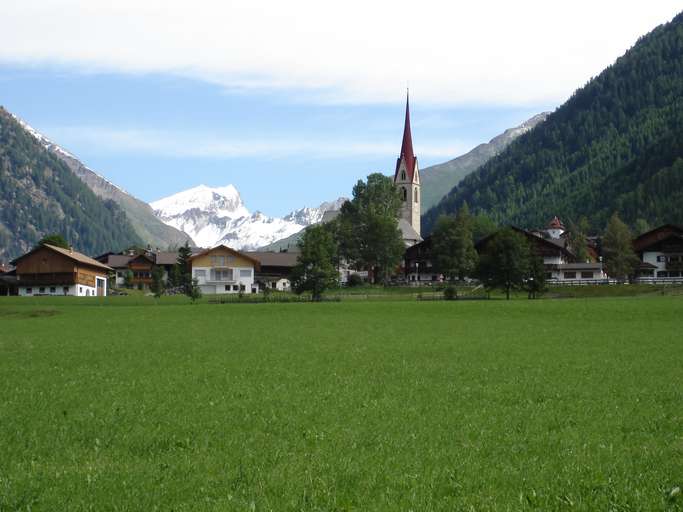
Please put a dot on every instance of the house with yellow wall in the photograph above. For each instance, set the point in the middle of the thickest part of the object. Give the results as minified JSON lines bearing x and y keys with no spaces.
{"x":224,"y":270}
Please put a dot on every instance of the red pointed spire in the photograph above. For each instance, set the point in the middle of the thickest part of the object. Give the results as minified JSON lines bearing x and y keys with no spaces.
{"x":407,"y":145}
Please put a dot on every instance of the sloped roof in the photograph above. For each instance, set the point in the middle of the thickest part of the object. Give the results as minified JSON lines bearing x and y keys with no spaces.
{"x":407,"y":146}
{"x":166,"y":258}
{"x":118,"y":260}
{"x":657,"y":235}
{"x":229,"y":249}
{"x":69,"y":253}
{"x":275,"y":259}
{"x":407,"y":231}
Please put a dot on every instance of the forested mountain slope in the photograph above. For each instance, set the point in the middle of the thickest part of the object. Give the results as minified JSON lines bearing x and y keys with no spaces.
{"x":437,"y":180}
{"x":615,"y":145}
{"x":147,"y":226}
{"x":39,"y":195}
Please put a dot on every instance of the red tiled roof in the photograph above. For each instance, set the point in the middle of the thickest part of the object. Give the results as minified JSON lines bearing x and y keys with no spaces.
{"x":407,"y":147}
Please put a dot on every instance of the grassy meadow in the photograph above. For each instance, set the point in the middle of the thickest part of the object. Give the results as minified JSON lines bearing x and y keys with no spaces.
{"x":123,"y":404}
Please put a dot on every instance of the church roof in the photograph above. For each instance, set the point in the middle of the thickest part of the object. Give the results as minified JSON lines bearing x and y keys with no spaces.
{"x":407,"y":146}
{"x":408,"y":232}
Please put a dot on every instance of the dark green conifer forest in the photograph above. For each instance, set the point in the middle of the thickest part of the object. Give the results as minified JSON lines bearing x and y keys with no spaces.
{"x":615,"y":146}
{"x":39,"y":195}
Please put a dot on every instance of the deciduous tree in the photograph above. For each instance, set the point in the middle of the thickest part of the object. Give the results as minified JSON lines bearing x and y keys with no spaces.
{"x":505,"y":261}
{"x":369,"y":237}
{"x":315,"y":270}
{"x":617,"y":249}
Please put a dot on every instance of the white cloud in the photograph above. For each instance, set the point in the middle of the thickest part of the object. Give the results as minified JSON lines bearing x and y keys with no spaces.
{"x":199,"y":145}
{"x":502,"y":52}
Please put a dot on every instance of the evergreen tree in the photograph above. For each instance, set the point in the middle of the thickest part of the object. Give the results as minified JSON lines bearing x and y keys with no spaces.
{"x":315,"y":270}
{"x":577,"y":239}
{"x":505,"y":263}
{"x":617,"y":249}
{"x":183,"y":274}
{"x":535,"y":282}
{"x":195,"y":292}
{"x":157,"y":281}
{"x":368,"y":232}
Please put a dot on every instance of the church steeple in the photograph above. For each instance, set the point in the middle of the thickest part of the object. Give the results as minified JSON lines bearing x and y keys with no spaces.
{"x":407,"y":153}
{"x":407,"y":181}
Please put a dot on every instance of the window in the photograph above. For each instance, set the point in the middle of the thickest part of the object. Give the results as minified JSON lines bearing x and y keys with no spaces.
{"x":65,"y":290}
{"x":42,"y":289}
{"x":245,"y":272}
{"x":570,"y":275}
{"x":404,"y":193}
{"x":586,"y":275}
{"x":274,"y":285}
{"x":87,"y":293}
{"x":80,"y":289}
{"x":227,"y":287}
{"x":548,"y":275}
{"x":416,"y":195}
{"x":235,"y":288}
{"x":222,"y":275}
{"x":403,"y":174}
{"x":230,"y":259}
{"x":200,"y":273}
{"x":29,"y":291}
{"x":53,"y":289}
{"x":242,"y":287}
{"x":661,"y":258}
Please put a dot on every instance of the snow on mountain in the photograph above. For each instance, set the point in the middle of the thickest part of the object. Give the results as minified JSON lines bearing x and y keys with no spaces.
{"x":212,"y":216}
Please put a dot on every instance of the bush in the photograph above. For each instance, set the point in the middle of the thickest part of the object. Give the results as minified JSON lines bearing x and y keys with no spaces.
{"x":450,"y":293}
{"x":354,"y":280}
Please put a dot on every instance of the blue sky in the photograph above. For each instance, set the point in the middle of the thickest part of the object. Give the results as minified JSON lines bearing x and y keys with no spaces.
{"x":292,"y":103}
{"x":155,"y":135}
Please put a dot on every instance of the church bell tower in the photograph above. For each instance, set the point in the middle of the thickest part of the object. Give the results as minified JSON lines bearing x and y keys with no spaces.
{"x":407,"y":177}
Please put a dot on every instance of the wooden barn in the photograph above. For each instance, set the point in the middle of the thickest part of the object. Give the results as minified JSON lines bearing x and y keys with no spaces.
{"x":51,"y":270}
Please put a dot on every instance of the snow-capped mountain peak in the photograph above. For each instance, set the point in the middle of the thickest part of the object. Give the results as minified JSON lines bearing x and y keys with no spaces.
{"x":220,"y":201}
{"x":217,"y":215}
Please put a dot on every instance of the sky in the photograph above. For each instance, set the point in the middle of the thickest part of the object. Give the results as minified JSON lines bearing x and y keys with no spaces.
{"x":293,"y":102}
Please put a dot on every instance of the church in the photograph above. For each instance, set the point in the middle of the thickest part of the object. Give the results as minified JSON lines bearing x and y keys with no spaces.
{"x":407,"y":181}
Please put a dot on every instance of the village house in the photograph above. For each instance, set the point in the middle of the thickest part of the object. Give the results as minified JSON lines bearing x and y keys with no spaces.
{"x":561,"y":265}
{"x":225,"y":270}
{"x":140,"y":264}
{"x":275,"y":269}
{"x":51,"y":270}
{"x":661,"y":254}
{"x":550,"y":243}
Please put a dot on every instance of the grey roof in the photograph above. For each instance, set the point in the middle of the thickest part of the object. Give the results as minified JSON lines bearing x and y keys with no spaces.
{"x":408,"y":232}
{"x":166,"y":258}
{"x":118,"y":260}
{"x":275,"y":259}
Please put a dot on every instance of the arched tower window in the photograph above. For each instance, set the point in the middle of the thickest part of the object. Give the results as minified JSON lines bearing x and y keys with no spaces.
{"x":403,"y":174}
{"x":404,"y":193}
{"x":416,"y":195}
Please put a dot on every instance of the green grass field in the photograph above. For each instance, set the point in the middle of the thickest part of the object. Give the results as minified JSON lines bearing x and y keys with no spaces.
{"x":570,"y":404}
